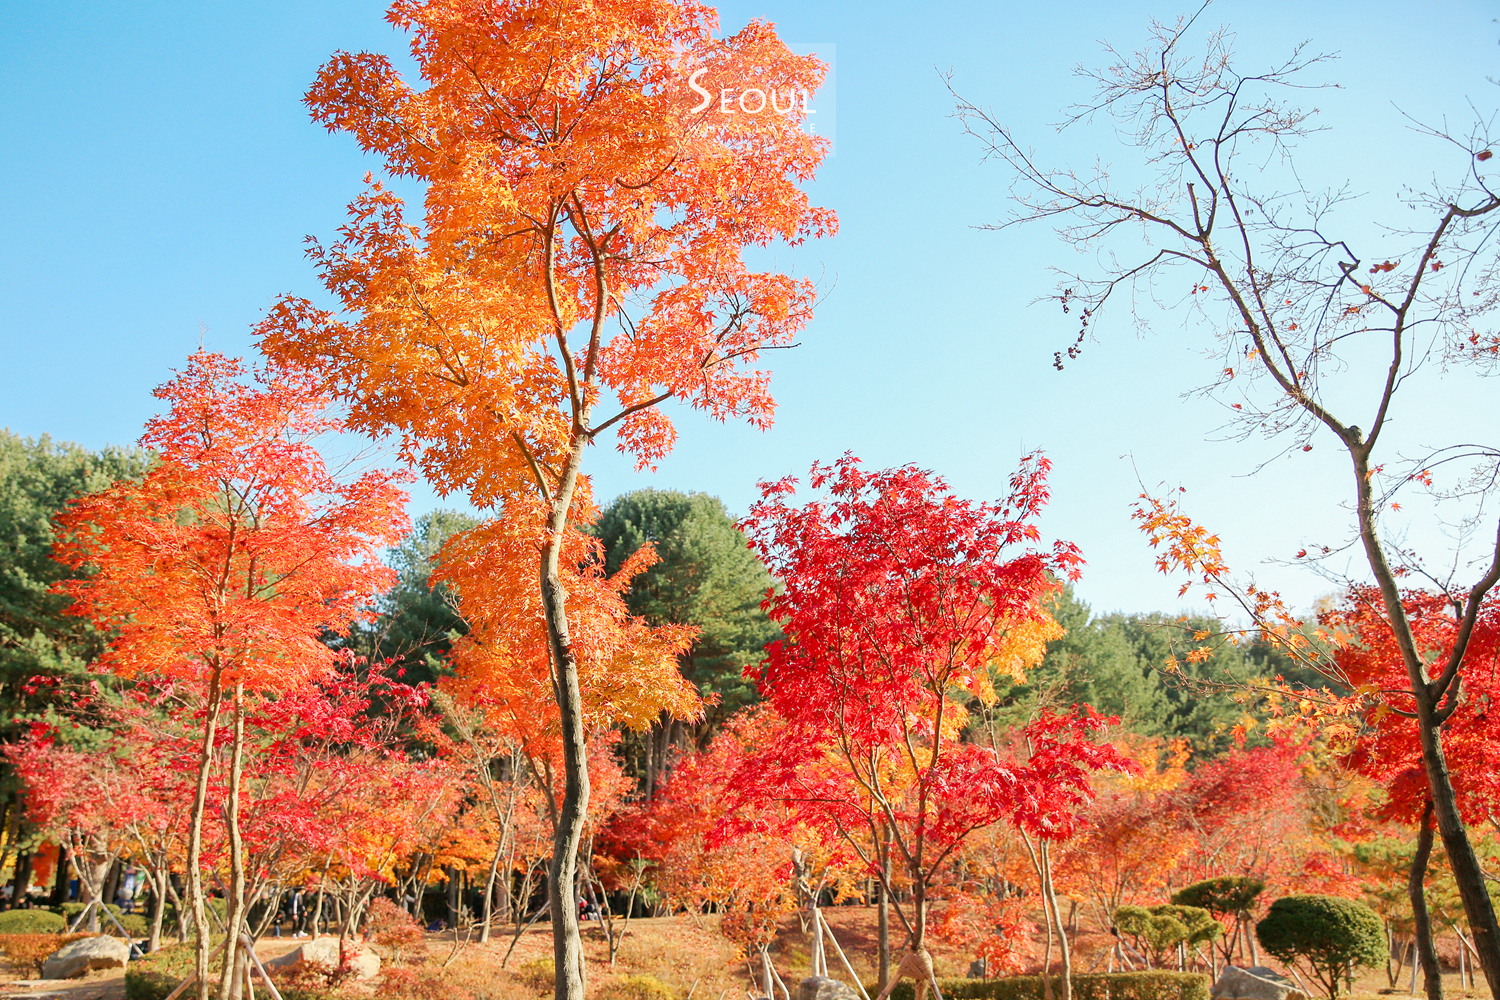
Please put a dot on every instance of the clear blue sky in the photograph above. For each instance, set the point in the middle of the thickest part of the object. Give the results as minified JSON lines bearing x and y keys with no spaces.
{"x":161,"y":173}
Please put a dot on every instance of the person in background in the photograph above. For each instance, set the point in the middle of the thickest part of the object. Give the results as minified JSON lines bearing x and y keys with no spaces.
{"x":296,"y":911}
{"x":125,"y":893}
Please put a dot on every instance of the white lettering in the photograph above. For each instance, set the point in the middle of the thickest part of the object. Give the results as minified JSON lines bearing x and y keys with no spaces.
{"x":693,"y":83}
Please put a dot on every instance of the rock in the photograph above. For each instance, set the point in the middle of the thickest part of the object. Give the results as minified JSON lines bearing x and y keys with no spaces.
{"x":1255,"y":983}
{"x":89,"y":953}
{"x":979,"y":969}
{"x":325,"y":951}
{"x":823,"y":988}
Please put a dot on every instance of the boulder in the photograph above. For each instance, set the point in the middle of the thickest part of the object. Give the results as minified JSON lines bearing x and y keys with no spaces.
{"x":325,"y":951}
{"x":89,"y":953}
{"x":823,"y":988}
{"x":1255,"y":983}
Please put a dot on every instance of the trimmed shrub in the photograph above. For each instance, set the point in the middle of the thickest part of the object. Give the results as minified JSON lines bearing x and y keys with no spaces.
{"x":1223,"y":896}
{"x":31,"y":922}
{"x":1160,"y":929}
{"x":1332,"y":935}
{"x":1087,"y":986}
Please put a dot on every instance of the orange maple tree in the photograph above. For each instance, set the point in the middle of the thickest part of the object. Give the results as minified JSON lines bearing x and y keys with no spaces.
{"x":580,"y":261}
{"x":1135,"y":832}
{"x":225,"y":564}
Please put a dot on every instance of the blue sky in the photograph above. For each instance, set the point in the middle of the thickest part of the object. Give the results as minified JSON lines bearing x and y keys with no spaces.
{"x":161,"y":174}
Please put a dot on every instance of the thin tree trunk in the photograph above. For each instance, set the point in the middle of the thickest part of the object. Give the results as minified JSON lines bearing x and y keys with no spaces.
{"x":883,"y":917}
{"x":1064,"y":953}
{"x":317,"y":916}
{"x":112,"y":881}
{"x":159,"y":908}
{"x":234,"y":910}
{"x":489,"y":892}
{"x":22,"y":880}
{"x":184,"y":915}
{"x":1467,"y":873}
{"x":567,"y":943}
{"x":195,"y":842}
{"x":60,"y":883}
{"x":1422,"y":921}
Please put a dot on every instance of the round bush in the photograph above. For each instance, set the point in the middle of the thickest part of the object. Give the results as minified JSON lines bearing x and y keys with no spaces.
{"x":1334,"y":936}
{"x":1222,"y":896}
{"x":31,"y":922}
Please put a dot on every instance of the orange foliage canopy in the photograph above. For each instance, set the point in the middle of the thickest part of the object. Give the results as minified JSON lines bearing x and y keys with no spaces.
{"x":572,"y":190}
{"x":627,"y":669}
{"x":238,"y":549}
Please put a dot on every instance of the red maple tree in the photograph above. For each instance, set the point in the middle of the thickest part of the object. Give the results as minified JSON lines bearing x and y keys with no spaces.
{"x":225,"y":564}
{"x":896,"y":594}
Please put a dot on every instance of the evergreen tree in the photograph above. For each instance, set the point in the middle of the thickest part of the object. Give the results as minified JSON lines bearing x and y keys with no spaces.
{"x":706,"y":576}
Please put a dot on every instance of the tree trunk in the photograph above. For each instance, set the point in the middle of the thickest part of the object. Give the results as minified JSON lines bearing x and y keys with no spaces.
{"x":60,"y":882}
{"x":453,"y":894}
{"x":1421,"y":919}
{"x":234,"y":915}
{"x":184,"y":915}
{"x":1064,"y":953}
{"x":195,"y":843}
{"x":567,"y":944}
{"x":22,"y":880}
{"x":919,"y":915}
{"x":159,"y":904}
{"x":1467,"y":873}
{"x":112,"y":882}
{"x":489,"y":892}
{"x":883,"y":918}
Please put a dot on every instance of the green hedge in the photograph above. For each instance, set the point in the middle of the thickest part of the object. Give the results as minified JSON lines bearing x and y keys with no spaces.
{"x":137,"y":925}
{"x":1087,"y":986}
{"x":31,"y":922}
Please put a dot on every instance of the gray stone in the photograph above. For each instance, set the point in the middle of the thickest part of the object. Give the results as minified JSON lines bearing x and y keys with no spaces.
{"x":1255,"y":983}
{"x":89,"y":953}
{"x":325,"y":951}
{"x":823,"y":988}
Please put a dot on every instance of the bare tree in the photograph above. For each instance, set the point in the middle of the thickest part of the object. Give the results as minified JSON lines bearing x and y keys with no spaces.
{"x":1315,"y":337}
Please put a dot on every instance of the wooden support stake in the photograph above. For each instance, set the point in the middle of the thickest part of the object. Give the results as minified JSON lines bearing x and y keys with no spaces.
{"x":840,"y":951}
{"x":265,"y":976}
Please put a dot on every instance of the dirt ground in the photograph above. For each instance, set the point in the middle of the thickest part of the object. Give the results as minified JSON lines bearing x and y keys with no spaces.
{"x":686,"y":954}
